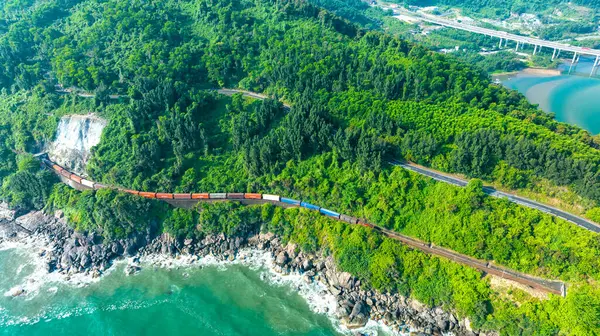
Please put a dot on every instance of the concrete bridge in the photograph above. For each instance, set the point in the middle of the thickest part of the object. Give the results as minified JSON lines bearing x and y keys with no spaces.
{"x":520,"y":41}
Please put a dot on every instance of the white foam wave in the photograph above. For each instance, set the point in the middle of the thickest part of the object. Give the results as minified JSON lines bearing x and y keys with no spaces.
{"x":33,"y":247}
{"x":319,"y":299}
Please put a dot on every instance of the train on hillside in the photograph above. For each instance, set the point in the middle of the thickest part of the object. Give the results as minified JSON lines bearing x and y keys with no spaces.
{"x":209,"y":196}
{"x":276,"y":199}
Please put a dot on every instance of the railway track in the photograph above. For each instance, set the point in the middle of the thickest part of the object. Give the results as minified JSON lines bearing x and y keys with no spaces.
{"x":189,"y":199}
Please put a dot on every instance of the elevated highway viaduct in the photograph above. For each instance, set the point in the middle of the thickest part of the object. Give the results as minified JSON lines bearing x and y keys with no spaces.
{"x":504,"y":37}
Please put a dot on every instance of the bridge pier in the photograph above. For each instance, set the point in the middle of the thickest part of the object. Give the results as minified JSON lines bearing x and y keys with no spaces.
{"x":535,"y":49}
{"x":573,"y":61}
{"x":500,"y":44}
{"x":517,"y":48}
{"x":554,"y":54}
{"x":595,"y":66}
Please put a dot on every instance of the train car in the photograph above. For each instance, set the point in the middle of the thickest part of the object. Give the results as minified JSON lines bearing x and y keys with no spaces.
{"x":268,"y":197}
{"x":129,"y":191}
{"x":76,"y":178}
{"x":182,"y":196}
{"x":200,"y":196}
{"x":363,"y":223}
{"x":349,"y":219}
{"x":164,"y":196}
{"x":100,"y":186}
{"x":235,"y":196}
{"x":87,"y":183}
{"x":65,"y":173}
{"x":310,"y":206}
{"x":57,"y":168}
{"x":329,"y":213}
{"x":217,"y":195}
{"x":252,"y":196}
{"x":289,"y":201}
{"x":148,"y":194}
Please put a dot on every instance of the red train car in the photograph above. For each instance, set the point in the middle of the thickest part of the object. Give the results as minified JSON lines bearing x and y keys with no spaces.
{"x":76,"y":178}
{"x":147,"y":194}
{"x":363,"y":223}
{"x":129,"y":191}
{"x":65,"y":174}
{"x":164,"y":196}
{"x":200,"y":196}
{"x":252,"y":196}
{"x":235,"y":196}
{"x":182,"y":196}
{"x":57,"y":168}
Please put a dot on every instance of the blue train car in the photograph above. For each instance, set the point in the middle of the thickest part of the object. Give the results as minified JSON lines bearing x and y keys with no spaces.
{"x":309,"y":206}
{"x":329,"y":213}
{"x":289,"y":201}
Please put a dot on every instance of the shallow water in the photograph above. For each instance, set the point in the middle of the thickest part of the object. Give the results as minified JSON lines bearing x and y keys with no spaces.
{"x":206,"y":298}
{"x":575,"y":99}
{"x":210,"y":300}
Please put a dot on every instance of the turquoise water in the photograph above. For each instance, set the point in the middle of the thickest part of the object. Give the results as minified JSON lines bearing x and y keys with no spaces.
{"x":575,"y":99}
{"x":210,"y":300}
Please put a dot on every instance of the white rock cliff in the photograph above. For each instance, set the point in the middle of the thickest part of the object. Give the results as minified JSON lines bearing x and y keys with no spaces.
{"x":75,"y":137}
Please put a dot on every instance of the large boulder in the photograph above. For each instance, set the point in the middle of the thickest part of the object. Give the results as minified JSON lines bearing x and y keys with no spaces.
{"x":282,"y":258}
{"x":6,"y":213}
{"x":32,"y":220}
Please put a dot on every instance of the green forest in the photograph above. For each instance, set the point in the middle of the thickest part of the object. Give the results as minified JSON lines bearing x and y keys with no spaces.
{"x":359,"y":98}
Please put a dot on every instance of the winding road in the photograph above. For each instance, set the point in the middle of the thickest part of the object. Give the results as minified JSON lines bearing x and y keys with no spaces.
{"x":439,"y":176}
{"x":436,"y":175}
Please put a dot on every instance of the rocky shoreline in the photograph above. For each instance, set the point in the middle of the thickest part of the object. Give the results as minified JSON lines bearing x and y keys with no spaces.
{"x":71,"y":253}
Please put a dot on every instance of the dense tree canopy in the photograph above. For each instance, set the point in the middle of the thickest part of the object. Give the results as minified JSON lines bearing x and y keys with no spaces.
{"x":358,"y":99}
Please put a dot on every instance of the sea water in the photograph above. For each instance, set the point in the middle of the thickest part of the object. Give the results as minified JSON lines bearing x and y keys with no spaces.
{"x":574,"y":98}
{"x":168,"y":298}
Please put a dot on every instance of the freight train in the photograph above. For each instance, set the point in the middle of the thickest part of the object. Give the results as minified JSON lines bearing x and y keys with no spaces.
{"x":209,"y":196}
{"x":276,"y":199}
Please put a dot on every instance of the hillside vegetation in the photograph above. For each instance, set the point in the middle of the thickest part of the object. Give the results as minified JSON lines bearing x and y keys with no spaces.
{"x":359,"y":98}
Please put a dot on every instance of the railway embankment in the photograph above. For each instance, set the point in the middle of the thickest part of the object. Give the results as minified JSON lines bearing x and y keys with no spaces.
{"x":189,"y":199}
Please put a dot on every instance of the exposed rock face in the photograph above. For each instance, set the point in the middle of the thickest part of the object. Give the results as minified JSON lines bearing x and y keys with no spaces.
{"x":75,"y":136}
{"x":71,"y":252}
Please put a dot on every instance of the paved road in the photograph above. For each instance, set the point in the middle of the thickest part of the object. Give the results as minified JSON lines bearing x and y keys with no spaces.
{"x":582,"y":222}
{"x":231,"y":92}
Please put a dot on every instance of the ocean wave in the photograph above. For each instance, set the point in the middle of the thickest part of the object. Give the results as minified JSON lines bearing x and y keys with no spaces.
{"x":315,"y":293}
{"x":54,"y":313}
{"x":32,"y":248}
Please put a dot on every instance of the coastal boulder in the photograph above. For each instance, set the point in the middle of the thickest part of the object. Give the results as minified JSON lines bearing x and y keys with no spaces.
{"x":6,"y":213}
{"x":32,"y":220}
{"x":282,"y":258}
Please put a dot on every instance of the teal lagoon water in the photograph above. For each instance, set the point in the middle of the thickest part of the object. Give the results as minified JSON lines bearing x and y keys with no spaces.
{"x":210,"y":300}
{"x":574,"y":99}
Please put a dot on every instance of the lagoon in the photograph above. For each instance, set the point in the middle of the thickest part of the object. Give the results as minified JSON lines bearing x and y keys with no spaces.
{"x":574,"y":99}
